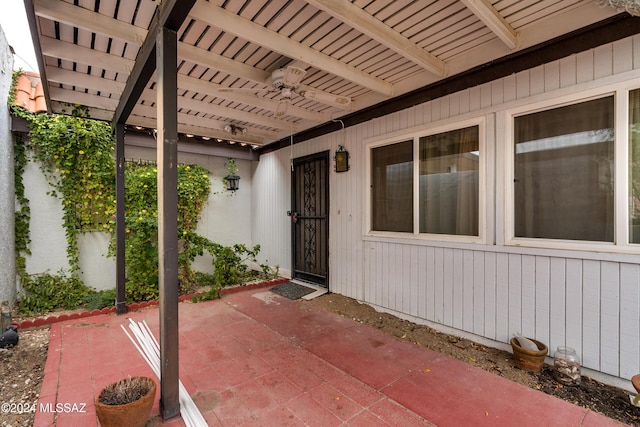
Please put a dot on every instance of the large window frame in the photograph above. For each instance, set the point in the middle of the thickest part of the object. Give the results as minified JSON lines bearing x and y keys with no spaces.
{"x":621,"y":240}
{"x":415,"y":134}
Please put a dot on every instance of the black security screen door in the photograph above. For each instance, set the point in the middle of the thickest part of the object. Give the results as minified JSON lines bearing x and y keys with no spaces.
{"x":310,"y":218}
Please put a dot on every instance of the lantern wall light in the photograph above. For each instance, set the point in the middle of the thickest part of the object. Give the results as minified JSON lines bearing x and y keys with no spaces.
{"x":233,"y":182}
{"x":341,"y":159}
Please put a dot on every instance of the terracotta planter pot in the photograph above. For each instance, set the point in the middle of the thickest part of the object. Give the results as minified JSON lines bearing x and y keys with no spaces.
{"x":134,"y":414}
{"x":529,"y":360}
{"x":635,"y":380}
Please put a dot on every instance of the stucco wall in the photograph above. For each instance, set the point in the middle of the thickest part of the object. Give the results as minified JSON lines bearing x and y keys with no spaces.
{"x":7,"y":189}
{"x":226,"y":219}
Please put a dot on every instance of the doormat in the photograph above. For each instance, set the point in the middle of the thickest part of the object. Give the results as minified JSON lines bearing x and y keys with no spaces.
{"x":292,"y":290}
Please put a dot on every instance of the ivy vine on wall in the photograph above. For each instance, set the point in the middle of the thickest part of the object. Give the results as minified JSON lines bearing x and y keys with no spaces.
{"x":141,"y":251}
{"x":76,"y":154}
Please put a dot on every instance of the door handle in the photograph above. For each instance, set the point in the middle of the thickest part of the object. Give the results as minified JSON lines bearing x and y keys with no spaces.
{"x":293,"y":215}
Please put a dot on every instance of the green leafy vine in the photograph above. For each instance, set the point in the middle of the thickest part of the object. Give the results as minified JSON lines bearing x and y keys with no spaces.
{"x":76,"y":154}
{"x":23,"y":212}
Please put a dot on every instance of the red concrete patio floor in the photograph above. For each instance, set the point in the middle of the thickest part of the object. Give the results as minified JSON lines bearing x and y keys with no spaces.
{"x":255,"y":358}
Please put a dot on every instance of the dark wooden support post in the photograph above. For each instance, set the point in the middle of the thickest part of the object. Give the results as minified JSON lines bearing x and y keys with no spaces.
{"x":120,"y":221}
{"x":166,"y":67}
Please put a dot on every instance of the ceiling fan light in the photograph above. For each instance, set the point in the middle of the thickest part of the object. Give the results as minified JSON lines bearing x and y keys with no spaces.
{"x":281,"y":110}
{"x":277,"y":78}
{"x":631,"y":6}
{"x":293,"y":76}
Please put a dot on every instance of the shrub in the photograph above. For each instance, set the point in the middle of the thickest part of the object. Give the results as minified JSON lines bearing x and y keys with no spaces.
{"x":45,"y":292}
{"x":100,"y":299}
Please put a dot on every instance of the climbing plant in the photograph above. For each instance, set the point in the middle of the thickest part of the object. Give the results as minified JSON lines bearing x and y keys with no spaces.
{"x":141,"y":251}
{"x":76,"y":155}
{"x":23,"y":212}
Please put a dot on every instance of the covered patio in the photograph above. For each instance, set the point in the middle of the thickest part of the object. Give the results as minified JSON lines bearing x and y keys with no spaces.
{"x":267,"y":75}
{"x":254,"y":358}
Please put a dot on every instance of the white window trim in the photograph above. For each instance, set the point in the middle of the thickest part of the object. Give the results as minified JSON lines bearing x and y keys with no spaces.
{"x":621,"y":244}
{"x":415,"y":134}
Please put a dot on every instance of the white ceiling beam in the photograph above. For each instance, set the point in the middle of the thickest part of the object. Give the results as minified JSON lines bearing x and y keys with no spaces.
{"x":101,"y":24}
{"x":81,"y":98}
{"x":488,"y":14}
{"x":213,"y":89}
{"x":362,"y":21}
{"x":74,"y":53}
{"x":87,"y":81}
{"x":110,"y":104}
{"x":75,"y":16}
{"x":219,"y":62}
{"x":238,"y":69}
{"x":235,"y":24}
{"x":147,"y":122}
{"x":218,"y":110}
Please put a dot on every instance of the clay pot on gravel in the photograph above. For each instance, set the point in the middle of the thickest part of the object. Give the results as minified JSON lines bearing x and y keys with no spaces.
{"x":529,"y":360}
{"x":127,"y":402}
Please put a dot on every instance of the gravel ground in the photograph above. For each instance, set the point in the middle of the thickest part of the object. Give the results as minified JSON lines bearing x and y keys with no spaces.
{"x":21,"y":374}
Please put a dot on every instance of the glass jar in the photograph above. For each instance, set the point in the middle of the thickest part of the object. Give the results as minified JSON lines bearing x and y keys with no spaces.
{"x":5,"y":316}
{"x":566,"y":365}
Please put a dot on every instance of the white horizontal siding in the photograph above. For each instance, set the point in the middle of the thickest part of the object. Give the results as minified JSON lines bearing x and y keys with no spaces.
{"x":270,"y":205}
{"x":587,"y":300}
{"x":461,"y":289}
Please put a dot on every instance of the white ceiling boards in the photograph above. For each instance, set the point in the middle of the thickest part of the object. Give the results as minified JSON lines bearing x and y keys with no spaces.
{"x":348,"y":55}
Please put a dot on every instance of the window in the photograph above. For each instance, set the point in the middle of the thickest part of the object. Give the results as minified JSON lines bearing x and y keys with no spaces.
{"x":449,"y":182}
{"x":392,"y":187}
{"x":429,"y":185}
{"x":634,"y":166}
{"x":564,"y":172}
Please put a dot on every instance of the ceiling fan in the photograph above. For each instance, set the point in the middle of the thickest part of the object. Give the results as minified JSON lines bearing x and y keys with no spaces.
{"x":286,"y":82}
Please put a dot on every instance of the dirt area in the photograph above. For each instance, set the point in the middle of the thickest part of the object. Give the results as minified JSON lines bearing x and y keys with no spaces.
{"x":607,"y":400}
{"x":21,"y":373}
{"x":22,"y":367}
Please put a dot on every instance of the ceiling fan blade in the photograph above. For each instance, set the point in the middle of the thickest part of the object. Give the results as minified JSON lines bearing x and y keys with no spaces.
{"x":326,"y":98}
{"x":281,"y":110}
{"x":293,"y":76}
{"x":242,"y":89}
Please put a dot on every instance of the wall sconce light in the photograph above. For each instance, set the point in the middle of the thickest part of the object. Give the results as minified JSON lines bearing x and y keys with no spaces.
{"x":233,"y":182}
{"x":234,"y":129}
{"x":341,"y":159}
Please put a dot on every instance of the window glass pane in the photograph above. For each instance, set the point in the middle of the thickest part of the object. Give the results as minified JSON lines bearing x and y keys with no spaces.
{"x":449,"y":187}
{"x":634,"y":166}
{"x":564,"y":172}
{"x":392,"y":187}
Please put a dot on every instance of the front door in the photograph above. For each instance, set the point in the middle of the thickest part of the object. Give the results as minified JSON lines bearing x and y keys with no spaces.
{"x":310,"y":218}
